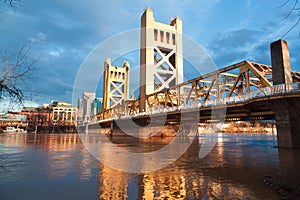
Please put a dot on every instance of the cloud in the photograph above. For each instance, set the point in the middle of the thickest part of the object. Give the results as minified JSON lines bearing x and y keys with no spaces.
{"x":6,"y":105}
{"x":233,"y":46}
{"x":32,"y":39}
{"x":62,"y":33}
{"x":42,"y":36}
{"x":251,"y":38}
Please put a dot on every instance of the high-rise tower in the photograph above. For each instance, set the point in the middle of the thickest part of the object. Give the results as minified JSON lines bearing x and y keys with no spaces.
{"x":161,"y":62}
{"x":116,"y":84}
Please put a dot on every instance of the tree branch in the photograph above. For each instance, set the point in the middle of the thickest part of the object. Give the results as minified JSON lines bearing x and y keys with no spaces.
{"x":292,"y":27}
{"x":292,"y":9}
{"x":15,"y":71}
{"x":284,"y":4}
{"x":295,"y":7}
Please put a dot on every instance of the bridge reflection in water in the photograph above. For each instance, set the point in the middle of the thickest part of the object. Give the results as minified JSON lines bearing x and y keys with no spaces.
{"x":58,"y":166}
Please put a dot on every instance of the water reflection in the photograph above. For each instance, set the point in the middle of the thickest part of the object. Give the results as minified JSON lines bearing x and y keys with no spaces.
{"x":234,"y":169}
{"x":289,"y":168}
{"x":112,"y":184}
{"x":219,"y":176}
{"x":50,"y":155}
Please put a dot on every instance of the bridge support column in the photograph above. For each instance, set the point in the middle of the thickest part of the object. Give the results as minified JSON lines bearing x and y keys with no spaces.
{"x":287,"y":121}
{"x":281,"y":65}
{"x":288,"y":124}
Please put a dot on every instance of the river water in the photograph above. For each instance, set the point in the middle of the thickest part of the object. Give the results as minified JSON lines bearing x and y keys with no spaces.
{"x":58,"y":166}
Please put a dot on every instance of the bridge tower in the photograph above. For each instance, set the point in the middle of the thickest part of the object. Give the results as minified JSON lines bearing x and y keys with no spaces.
{"x":116,"y":84}
{"x":161,"y":62}
{"x":287,"y":112}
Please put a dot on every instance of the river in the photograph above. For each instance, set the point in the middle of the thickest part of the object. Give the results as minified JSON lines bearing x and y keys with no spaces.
{"x":58,"y":166}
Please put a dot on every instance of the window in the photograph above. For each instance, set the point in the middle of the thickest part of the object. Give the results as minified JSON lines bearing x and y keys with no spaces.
{"x":69,"y":116}
{"x":161,"y":36}
{"x":168,"y":37}
{"x":155,"y":34}
{"x":55,"y":116}
{"x":173,"y":39}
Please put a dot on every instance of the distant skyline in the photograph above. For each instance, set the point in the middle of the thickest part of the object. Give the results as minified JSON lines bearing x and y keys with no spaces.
{"x":62,"y":33}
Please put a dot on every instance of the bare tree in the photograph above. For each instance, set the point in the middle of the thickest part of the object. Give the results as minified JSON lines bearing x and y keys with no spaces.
{"x":15,"y":71}
{"x":294,"y":9}
{"x":11,"y":3}
{"x":8,"y":4}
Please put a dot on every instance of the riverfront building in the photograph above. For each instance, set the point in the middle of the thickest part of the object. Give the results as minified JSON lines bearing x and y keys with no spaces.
{"x":11,"y":119}
{"x":37,"y":118}
{"x":58,"y":116}
{"x":64,"y":116}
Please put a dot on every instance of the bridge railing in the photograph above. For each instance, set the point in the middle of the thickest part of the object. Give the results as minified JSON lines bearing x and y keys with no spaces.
{"x":254,"y":94}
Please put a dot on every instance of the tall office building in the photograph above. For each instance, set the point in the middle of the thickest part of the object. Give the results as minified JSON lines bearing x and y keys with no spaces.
{"x":79,"y":110}
{"x":87,"y":100}
{"x":96,"y":106}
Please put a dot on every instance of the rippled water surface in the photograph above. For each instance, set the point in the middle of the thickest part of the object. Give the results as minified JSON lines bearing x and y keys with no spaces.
{"x":57,"y":166}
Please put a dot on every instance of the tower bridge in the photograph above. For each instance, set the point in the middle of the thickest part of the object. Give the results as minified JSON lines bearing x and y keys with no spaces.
{"x":243,"y":91}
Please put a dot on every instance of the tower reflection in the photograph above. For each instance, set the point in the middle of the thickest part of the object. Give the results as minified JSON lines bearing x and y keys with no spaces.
{"x":223,"y":174}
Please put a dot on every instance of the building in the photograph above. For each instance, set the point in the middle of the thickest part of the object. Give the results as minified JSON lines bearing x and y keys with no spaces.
{"x":79,"y":110}
{"x":64,"y":116}
{"x":87,"y":100}
{"x":12,"y":119}
{"x":37,"y":119}
{"x":59,"y":116}
{"x":96,"y":106}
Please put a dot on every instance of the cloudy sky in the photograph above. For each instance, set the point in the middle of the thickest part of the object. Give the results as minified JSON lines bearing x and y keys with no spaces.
{"x":62,"y":33}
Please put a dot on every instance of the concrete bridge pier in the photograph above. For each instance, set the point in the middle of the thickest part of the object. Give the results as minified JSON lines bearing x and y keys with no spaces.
{"x":287,"y":117}
{"x":288,"y":124}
